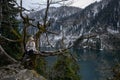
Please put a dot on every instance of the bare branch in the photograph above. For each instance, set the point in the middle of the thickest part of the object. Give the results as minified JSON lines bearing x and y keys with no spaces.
{"x":52,"y":53}
{"x":48,"y":41}
{"x":33,"y":25}
{"x":81,"y":38}
{"x":46,"y":13}
{"x":73,"y":57}
{"x":21,"y":10}
{"x":18,"y":6}
{"x":19,"y":40}
{"x":2,"y":52}
{"x":51,"y":32}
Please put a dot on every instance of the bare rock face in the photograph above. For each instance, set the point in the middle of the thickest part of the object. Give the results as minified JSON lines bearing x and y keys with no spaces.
{"x":17,"y":72}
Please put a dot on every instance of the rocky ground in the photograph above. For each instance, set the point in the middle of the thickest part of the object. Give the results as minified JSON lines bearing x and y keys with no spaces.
{"x":17,"y":72}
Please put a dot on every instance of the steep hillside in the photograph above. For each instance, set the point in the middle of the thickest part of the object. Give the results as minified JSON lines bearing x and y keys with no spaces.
{"x":106,"y":25}
{"x":99,"y":18}
{"x":54,"y":15}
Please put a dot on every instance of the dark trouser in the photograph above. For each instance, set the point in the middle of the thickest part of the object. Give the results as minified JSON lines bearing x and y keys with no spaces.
{"x":30,"y":52}
{"x":27,"y":53}
{"x":29,"y":59}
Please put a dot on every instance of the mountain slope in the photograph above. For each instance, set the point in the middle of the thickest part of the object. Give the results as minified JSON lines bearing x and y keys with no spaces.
{"x":106,"y":25}
{"x":100,"y":18}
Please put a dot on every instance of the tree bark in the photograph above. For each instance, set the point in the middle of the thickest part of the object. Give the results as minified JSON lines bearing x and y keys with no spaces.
{"x":2,"y":52}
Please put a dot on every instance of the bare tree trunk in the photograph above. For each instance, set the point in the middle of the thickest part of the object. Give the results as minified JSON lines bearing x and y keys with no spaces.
{"x":2,"y":52}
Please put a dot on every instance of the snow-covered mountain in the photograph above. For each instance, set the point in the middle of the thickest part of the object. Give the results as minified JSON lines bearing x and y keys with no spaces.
{"x":100,"y":18}
{"x":55,"y":15}
{"x":104,"y":23}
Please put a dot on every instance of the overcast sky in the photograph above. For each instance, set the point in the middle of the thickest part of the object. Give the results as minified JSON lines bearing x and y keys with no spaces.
{"x":29,"y":4}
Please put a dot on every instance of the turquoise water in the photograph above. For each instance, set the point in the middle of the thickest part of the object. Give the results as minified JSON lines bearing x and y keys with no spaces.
{"x":94,"y":65}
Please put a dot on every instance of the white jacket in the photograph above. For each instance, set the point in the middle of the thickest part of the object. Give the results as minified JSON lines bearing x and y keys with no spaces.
{"x":30,"y":45}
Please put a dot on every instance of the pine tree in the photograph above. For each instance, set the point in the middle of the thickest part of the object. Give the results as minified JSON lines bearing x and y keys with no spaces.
{"x":41,"y":66}
{"x":9,"y":26}
{"x":65,"y":68}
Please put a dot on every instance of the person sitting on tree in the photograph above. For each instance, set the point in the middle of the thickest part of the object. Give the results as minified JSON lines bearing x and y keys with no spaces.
{"x":30,"y":46}
{"x":30,"y":51}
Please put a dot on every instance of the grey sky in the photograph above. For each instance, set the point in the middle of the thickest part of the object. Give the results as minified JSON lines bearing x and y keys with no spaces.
{"x":29,"y":4}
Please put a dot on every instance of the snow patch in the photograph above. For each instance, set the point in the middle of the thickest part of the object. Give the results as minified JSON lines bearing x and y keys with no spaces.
{"x":112,"y":31}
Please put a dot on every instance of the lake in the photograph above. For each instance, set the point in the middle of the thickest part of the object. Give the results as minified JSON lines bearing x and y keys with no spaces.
{"x":94,"y":64}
